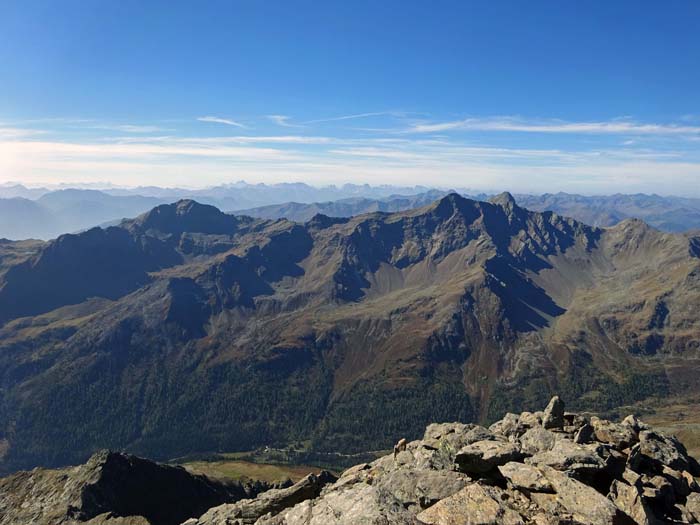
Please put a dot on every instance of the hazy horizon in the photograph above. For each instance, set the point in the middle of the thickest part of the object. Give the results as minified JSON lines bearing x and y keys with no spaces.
{"x":471,"y":95}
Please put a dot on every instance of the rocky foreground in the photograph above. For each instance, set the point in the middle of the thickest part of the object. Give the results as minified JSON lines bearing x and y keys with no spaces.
{"x":549,"y":467}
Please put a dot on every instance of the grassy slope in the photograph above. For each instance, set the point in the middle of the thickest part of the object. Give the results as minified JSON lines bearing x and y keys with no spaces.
{"x":233,"y":469}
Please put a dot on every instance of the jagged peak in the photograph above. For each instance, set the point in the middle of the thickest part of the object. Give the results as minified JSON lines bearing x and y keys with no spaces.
{"x":450,"y":204}
{"x":505,"y":200}
{"x":632,"y":224}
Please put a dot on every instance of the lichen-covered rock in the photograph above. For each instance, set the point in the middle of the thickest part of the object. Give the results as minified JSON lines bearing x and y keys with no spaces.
{"x":554,"y":414}
{"x":475,"y":505}
{"x":622,"y":436}
{"x":354,"y":504}
{"x":570,"y":457}
{"x":484,"y":456}
{"x":537,"y":440}
{"x":527,"y":477}
{"x":586,"y":504}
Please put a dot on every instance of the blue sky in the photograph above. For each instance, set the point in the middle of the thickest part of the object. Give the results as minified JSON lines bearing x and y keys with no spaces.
{"x":588,"y":97}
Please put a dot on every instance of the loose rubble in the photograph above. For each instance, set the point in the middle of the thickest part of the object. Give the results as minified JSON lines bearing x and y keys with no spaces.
{"x":544,"y":468}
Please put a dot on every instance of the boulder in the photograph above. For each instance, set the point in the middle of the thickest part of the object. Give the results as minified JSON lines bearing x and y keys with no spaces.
{"x":584,"y":434}
{"x":247,"y":511}
{"x":509,"y":426}
{"x":618,"y":435}
{"x":525,"y":477}
{"x":554,"y":414}
{"x":586,"y":504}
{"x":473,"y":505}
{"x":421,"y":487}
{"x":537,"y":440}
{"x":635,"y":424}
{"x":484,"y":456}
{"x":567,"y":456}
{"x":655,"y":450}
{"x":629,"y":500}
{"x":353,"y":504}
{"x":692,"y":503}
{"x":530,"y":419}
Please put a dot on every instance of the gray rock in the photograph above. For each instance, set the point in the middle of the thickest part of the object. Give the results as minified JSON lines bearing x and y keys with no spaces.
{"x":635,"y":424}
{"x":440,"y":430}
{"x":509,"y":426}
{"x":584,"y":434}
{"x":484,"y":456}
{"x":247,"y":511}
{"x":554,"y":414}
{"x":421,"y":488}
{"x":629,"y":500}
{"x":473,"y":505}
{"x":680,"y":484}
{"x":655,"y":450}
{"x":537,"y":440}
{"x":621,"y":436}
{"x":523,"y":476}
{"x":692,"y":503}
{"x":586,"y":504}
{"x":360,"y":503}
{"x":567,"y":456}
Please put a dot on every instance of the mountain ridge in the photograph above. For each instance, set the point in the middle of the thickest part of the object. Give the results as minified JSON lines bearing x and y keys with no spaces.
{"x":460,"y":309}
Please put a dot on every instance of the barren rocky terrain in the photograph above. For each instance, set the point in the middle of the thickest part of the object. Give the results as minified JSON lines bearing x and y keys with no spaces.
{"x":544,"y":467}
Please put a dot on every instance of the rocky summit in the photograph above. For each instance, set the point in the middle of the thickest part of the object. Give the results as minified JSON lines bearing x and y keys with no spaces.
{"x":114,"y":489}
{"x":548,"y":467}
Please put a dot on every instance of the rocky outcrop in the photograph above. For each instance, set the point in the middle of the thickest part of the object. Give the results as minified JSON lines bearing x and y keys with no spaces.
{"x":577,"y":470}
{"x":247,"y":511}
{"x":113,"y":489}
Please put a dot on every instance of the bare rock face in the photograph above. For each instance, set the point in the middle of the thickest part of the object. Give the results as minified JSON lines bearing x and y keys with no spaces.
{"x":112,"y":489}
{"x":247,"y":511}
{"x":580,"y":470}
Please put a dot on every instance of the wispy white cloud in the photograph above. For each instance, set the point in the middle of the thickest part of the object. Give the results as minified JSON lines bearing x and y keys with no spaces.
{"x":617,"y":126}
{"x":219,"y":120}
{"x":129,"y":128}
{"x":618,"y":163}
{"x":17,"y":133}
{"x":355,"y":116}
{"x":284,"y":121}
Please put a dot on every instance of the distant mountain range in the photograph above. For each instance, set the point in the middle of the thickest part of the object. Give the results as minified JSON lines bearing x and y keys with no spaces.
{"x":672,"y":214}
{"x":190,"y":330}
{"x":44,"y":214}
{"x":41,"y":213}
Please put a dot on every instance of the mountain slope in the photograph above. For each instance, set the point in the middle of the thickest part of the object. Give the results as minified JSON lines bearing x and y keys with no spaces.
{"x":219,"y":332}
